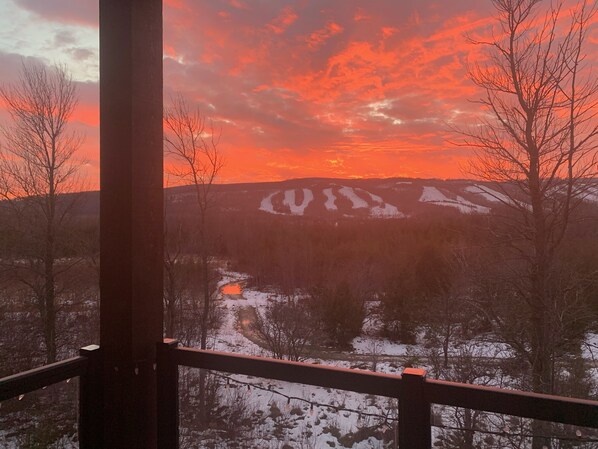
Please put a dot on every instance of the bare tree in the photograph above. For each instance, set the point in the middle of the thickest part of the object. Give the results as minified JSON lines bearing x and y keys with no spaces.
{"x":286,"y":328}
{"x":176,"y":279}
{"x":193,"y":146}
{"x":37,"y":165}
{"x":537,"y":143}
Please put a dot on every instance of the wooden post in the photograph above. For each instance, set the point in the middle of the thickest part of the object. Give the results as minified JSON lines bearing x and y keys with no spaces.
{"x":131,"y":218}
{"x":414,"y":411}
{"x":168,"y":395}
{"x":90,"y":400}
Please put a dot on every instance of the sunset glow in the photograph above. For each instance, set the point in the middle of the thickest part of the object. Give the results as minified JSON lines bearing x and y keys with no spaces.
{"x":330,"y":88}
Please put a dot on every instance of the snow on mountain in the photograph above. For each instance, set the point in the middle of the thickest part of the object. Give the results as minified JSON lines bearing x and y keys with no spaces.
{"x":330,"y":199}
{"x":266,"y":204}
{"x":354,"y":201}
{"x":591,"y":196}
{"x":349,"y":193}
{"x":335,"y":199}
{"x":487,"y":193}
{"x":289,"y":200}
{"x":435,"y":196}
{"x":383,"y":209}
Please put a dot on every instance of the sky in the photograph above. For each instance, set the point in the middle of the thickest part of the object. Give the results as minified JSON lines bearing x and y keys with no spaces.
{"x":298,"y":88}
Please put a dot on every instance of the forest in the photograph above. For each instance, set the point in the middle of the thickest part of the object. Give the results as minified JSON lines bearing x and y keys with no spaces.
{"x":441,"y":284}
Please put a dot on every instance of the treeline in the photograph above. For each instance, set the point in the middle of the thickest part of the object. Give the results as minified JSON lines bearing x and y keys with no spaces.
{"x":436,"y":267}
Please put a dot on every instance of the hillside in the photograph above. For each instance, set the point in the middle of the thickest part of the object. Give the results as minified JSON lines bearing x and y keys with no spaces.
{"x":328,"y":198}
{"x":348,"y":198}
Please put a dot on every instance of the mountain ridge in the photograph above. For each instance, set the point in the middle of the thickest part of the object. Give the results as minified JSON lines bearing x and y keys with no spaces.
{"x":334,"y":198}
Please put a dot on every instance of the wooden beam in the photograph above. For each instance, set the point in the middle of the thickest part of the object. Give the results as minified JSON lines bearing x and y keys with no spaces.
{"x":131,"y":217}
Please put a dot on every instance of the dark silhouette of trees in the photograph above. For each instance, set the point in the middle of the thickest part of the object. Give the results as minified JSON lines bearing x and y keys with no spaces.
{"x":286,"y":328}
{"x":38,"y":165}
{"x":177,"y":273}
{"x":398,"y":304}
{"x":193,"y":147}
{"x":537,"y":143}
{"x":541,"y":139}
{"x":340,"y":312}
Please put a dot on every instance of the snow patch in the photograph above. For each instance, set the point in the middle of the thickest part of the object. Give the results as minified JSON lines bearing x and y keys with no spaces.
{"x":386,"y":211}
{"x":382,"y":210}
{"x":349,"y":193}
{"x":434,"y":196}
{"x":330,"y":203}
{"x":266,"y":204}
{"x":487,"y":193}
{"x":590,"y":347}
{"x":382,"y":347}
{"x":289,"y":200}
{"x":591,"y":196}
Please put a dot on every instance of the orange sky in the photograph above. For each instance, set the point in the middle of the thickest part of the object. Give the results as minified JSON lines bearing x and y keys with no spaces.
{"x":335,"y":88}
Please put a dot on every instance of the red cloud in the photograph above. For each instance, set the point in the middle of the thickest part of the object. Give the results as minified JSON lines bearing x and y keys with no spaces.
{"x":285,"y":19}
{"x":302,"y":89}
{"x":318,"y":37}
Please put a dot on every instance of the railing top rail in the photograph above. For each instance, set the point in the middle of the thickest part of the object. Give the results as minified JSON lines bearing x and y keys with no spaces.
{"x":490,"y":399}
{"x":322,"y":376}
{"x":561,"y":409}
{"x":43,"y":376}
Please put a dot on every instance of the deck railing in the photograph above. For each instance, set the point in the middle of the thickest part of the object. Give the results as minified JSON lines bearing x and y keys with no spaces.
{"x":87,"y":366}
{"x":415,"y":392}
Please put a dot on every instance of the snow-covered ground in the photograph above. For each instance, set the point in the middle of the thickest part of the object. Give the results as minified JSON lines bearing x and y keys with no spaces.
{"x":265,"y":413}
{"x":304,"y":416}
{"x":287,"y":413}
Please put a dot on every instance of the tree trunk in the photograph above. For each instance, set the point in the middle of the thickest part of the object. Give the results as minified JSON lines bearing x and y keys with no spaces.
{"x":540,"y":322}
{"x":204,"y":415}
{"x":171,"y":302}
{"x":206,"y":301}
{"x":468,"y":426}
{"x":49,"y":303}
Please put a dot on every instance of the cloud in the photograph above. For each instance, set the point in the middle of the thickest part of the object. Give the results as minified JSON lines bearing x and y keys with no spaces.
{"x":296,"y":84}
{"x":83,"y":12}
{"x":284,"y":20}
{"x":318,"y":37}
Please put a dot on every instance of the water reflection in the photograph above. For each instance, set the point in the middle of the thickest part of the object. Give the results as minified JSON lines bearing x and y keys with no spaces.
{"x":231,"y":289}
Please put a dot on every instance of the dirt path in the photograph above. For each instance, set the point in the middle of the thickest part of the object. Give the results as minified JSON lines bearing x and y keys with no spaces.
{"x":247,"y":315}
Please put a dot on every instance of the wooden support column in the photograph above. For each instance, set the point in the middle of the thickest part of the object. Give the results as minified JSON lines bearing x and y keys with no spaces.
{"x":131,"y":217}
{"x":168,"y":395}
{"x":90,"y":400}
{"x":414,"y":411}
